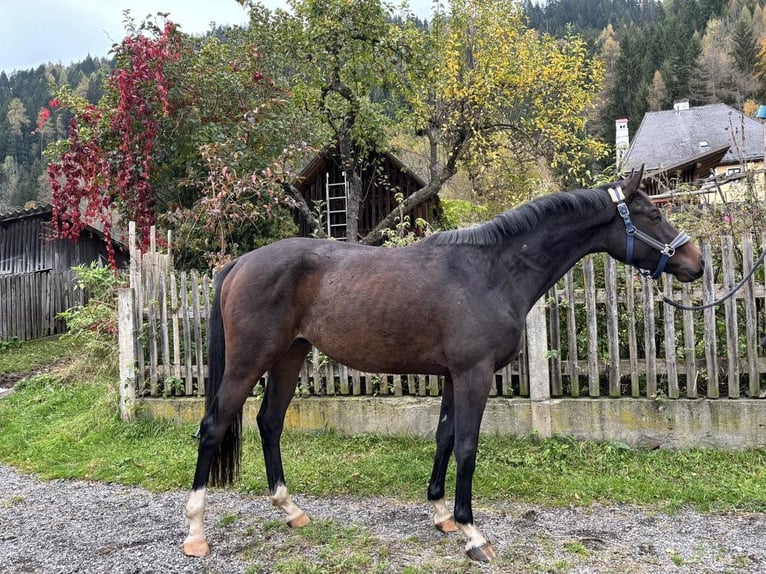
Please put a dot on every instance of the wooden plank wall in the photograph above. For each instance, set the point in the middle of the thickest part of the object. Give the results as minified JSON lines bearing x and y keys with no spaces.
{"x":31,"y":302}
{"x":22,"y":248}
{"x":610,"y":335}
{"x":36,"y":281}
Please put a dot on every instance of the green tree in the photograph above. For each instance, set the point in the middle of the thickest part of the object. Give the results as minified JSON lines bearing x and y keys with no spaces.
{"x":334,"y":59}
{"x":608,"y":51}
{"x":658,"y":93}
{"x":179,"y":131}
{"x":16,"y":117}
{"x":627,"y":97}
{"x":9,"y":182}
{"x":745,"y":47}
{"x":717,"y":77}
{"x":485,"y":89}
{"x":230,"y":122}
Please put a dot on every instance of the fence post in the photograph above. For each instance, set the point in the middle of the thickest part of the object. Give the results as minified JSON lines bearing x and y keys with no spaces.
{"x":125,"y":316}
{"x":539,"y":375}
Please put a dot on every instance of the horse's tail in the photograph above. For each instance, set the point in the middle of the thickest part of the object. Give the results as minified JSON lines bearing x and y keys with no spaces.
{"x":224,"y":468}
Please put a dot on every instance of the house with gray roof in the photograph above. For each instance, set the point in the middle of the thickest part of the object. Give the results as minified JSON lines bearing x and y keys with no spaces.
{"x":688,"y":144}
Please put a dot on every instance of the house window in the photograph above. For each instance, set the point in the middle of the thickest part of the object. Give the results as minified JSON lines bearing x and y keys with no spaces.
{"x":733,"y":170}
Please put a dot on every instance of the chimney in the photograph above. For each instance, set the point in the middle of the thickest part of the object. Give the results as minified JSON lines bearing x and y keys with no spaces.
{"x":621,"y":141}
{"x":680,"y":105}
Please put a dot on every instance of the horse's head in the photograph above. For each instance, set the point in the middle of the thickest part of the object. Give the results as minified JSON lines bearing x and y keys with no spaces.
{"x":646,"y":239}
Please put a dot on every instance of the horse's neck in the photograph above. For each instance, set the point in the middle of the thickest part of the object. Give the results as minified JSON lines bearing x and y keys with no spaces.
{"x":542,"y":256}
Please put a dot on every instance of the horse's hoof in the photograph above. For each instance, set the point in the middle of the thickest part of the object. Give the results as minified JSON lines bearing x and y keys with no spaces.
{"x":299,"y":521}
{"x":446,"y":526}
{"x":198,"y":548}
{"x":483,"y":553}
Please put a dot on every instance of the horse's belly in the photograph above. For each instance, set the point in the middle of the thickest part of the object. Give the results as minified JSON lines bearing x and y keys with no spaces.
{"x":371,"y":352}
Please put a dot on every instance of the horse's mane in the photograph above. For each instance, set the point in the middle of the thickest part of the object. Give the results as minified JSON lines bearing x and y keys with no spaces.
{"x":577,"y":203}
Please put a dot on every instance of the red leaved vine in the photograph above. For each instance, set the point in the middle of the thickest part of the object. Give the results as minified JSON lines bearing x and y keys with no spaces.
{"x":108,"y":162}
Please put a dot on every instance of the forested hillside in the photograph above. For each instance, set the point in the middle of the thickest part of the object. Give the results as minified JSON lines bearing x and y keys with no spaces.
{"x":23,"y":96}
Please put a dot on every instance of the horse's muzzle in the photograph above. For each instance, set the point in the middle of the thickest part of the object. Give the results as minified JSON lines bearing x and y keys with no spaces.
{"x":686,"y":273}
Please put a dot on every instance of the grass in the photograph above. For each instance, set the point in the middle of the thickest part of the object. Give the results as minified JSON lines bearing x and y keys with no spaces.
{"x":64,"y":424}
{"x":18,"y":357}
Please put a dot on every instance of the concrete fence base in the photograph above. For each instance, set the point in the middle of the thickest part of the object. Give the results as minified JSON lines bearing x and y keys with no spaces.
{"x":682,"y":423}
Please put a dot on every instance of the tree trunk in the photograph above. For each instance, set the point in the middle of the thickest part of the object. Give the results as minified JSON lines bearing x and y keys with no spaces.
{"x":352,"y":206}
{"x":350,"y":163}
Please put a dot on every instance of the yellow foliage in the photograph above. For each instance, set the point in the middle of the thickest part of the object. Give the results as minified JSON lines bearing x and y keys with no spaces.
{"x":493,"y":83}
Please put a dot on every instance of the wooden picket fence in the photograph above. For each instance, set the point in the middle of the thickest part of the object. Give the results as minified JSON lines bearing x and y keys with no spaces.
{"x":662,"y":350}
{"x":609,"y":335}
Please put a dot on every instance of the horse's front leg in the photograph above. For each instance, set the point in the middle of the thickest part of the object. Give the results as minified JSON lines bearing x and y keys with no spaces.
{"x":445,"y":441}
{"x":471,"y":391}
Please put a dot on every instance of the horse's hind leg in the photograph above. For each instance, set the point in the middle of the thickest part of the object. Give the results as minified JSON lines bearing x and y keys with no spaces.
{"x":283,"y":377}
{"x":445,"y":441}
{"x":227,"y":404}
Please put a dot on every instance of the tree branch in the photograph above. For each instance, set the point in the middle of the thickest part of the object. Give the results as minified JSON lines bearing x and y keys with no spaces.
{"x":411,"y":202}
{"x":304,"y":209}
{"x":438,"y":178}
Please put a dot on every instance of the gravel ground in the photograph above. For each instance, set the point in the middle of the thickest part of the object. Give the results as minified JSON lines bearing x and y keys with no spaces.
{"x":60,"y":527}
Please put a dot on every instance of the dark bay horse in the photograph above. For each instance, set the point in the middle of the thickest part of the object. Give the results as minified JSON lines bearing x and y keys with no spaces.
{"x":453,"y":304}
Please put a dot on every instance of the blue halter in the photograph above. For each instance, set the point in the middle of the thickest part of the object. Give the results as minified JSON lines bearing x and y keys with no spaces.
{"x":667,"y":250}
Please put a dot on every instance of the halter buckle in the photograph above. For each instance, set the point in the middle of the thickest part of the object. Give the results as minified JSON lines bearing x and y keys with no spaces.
{"x":618,"y":198}
{"x":668,"y":250}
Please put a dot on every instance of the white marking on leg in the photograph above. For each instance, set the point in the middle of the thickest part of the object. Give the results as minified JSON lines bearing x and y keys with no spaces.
{"x":281,"y":499}
{"x":441,"y":512}
{"x":195,"y":514}
{"x":475,"y":539}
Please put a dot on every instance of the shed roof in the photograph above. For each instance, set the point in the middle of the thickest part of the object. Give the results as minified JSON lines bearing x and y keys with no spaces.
{"x":670,"y":137}
{"x":318,"y":161}
{"x":22,"y":213}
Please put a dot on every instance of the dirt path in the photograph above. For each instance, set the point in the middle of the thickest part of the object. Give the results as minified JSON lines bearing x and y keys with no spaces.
{"x":74,"y":526}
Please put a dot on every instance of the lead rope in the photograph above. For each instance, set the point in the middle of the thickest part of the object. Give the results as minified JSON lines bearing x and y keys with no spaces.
{"x":733,"y":290}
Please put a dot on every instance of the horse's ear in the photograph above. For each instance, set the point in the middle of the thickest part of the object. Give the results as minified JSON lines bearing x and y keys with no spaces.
{"x":633,"y":181}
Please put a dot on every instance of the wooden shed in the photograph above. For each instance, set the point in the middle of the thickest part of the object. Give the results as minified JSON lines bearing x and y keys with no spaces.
{"x":323,"y":183}
{"x":36,"y":281}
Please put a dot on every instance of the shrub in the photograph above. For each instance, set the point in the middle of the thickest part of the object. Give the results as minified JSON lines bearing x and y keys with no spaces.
{"x":93,"y":326}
